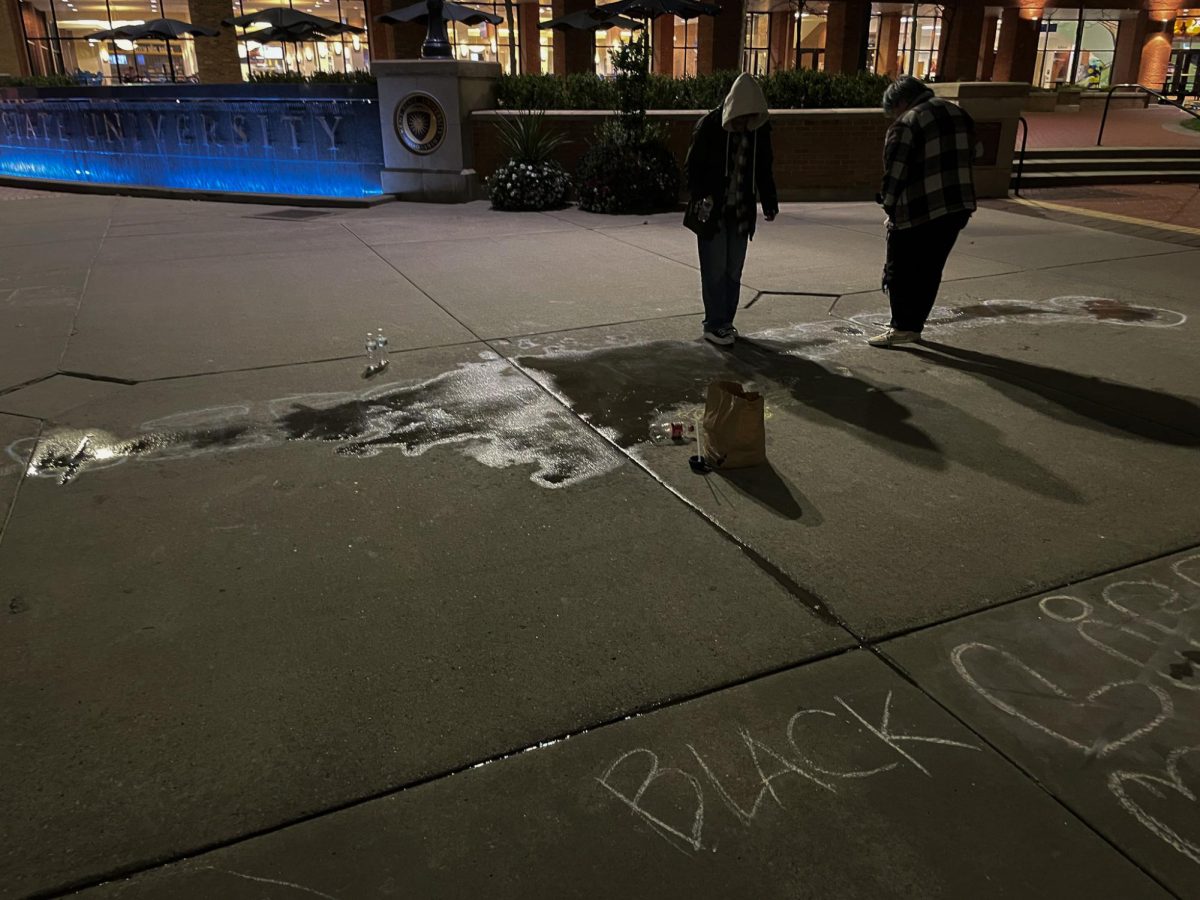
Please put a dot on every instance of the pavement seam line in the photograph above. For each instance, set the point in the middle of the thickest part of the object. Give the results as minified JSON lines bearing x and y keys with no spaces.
{"x":1000,"y":604}
{"x":87,"y":280}
{"x":21,"y":479}
{"x":415,"y":286}
{"x":1029,"y":776}
{"x":1111,"y":217}
{"x":870,"y":645}
{"x":132,"y":870}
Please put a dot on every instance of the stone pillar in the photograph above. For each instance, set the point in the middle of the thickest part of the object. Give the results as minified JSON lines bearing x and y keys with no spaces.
{"x":1156,"y":52}
{"x":987,"y":48}
{"x":887,"y":52}
{"x":663,"y":41}
{"x":995,"y":107}
{"x":782,"y":30}
{"x":962,"y":33}
{"x":574,"y":51}
{"x":529,"y":38}
{"x":846,"y":40}
{"x":216,"y":58}
{"x":1017,"y":56}
{"x":444,"y":171}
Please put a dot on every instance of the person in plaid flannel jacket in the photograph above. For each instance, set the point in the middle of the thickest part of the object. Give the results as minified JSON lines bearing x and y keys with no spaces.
{"x":928,"y":194}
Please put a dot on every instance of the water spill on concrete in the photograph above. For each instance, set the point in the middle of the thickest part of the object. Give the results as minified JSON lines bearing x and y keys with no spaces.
{"x":487,"y":410}
{"x":492,"y":414}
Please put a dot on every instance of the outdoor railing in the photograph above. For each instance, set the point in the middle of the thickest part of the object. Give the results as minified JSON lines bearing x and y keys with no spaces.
{"x":1141,"y":87}
{"x":1021,"y":158}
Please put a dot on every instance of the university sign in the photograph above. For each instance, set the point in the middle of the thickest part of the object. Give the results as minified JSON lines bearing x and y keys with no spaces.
{"x":313,"y":147}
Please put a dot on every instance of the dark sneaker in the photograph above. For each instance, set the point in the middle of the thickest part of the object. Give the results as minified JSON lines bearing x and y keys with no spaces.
{"x":722,"y":337}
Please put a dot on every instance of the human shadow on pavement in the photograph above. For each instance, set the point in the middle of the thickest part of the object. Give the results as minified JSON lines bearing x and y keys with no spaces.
{"x":765,"y":486}
{"x":620,"y":388}
{"x":1095,"y":403}
{"x":846,"y":400}
{"x":946,"y":434}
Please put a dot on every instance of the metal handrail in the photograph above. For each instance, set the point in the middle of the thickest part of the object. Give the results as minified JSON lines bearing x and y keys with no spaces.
{"x":1021,"y":158}
{"x":1158,"y":94}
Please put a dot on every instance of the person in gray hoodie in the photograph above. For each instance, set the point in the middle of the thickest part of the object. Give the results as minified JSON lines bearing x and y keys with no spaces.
{"x":729,"y":172}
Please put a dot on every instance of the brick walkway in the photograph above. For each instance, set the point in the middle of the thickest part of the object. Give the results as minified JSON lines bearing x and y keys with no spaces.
{"x":1131,"y":209}
{"x":1155,"y":126}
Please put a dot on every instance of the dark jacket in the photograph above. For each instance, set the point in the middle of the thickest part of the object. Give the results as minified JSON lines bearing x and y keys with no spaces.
{"x":711,"y":154}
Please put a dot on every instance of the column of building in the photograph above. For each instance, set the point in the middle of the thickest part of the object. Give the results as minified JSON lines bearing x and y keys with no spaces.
{"x":849,"y":24}
{"x":216,"y":58}
{"x":967,"y":50}
{"x":961,"y":39}
{"x":887,"y":54}
{"x":14,"y":59}
{"x":783,"y":37}
{"x":663,"y":45}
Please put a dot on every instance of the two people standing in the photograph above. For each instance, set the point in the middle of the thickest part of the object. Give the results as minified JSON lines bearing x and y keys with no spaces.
{"x":928,"y":194}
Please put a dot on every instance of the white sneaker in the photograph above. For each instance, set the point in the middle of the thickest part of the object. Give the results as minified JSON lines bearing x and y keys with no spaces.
{"x":894,"y":336}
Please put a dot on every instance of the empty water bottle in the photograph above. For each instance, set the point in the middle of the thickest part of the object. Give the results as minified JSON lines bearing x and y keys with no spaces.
{"x":381,"y":347}
{"x":672,"y":432}
{"x":372,"y":351}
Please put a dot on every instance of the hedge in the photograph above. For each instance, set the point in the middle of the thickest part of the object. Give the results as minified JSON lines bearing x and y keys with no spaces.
{"x":790,"y":89}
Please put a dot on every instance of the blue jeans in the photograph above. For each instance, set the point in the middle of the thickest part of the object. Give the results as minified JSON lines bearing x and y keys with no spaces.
{"x":721,"y":261}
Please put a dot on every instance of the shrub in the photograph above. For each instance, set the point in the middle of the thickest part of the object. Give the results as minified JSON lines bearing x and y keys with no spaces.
{"x":530,"y":179}
{"x":618,"y":175}
{"x":355,"y":77}
{"x":38,"y":81}
{"x":628,"y":167}
{"x":528,"y":186}
{"x":789,"y":89}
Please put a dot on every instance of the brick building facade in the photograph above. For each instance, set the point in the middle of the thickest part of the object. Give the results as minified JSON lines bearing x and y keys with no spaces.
{"x":1097,"y":43}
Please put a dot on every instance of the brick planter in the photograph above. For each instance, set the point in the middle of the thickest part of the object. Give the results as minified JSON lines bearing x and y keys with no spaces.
{"x":820,"y":154}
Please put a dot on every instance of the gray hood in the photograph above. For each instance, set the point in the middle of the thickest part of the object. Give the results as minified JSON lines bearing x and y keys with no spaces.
{"x":745,"y":98}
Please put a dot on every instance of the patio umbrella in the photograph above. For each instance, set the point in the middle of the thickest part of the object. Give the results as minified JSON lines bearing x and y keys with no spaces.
{"x":165,"y":30}
{"x":300,"y":33}
{"x":451,"y":12}
{"x":290,"y":26}
{"x":652,"y":9}
{"x":591,"y":20}
{"x":278,"y":17}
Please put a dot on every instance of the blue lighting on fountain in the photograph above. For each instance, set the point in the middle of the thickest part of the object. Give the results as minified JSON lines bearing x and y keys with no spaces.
{"x":315,"y":147}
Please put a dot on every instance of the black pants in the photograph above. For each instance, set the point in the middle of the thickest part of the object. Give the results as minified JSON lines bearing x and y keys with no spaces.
{"x":913,"y":273}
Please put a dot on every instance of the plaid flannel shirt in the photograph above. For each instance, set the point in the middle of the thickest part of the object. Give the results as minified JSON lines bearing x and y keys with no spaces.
{"x":927,"y":164}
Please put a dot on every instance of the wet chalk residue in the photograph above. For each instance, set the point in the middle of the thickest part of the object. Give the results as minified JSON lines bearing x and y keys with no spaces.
{"x":486,"y":410}
{"x":620,"y":386}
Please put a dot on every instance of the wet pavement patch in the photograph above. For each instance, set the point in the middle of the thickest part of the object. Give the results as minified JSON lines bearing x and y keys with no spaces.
{"x":487,"y":410}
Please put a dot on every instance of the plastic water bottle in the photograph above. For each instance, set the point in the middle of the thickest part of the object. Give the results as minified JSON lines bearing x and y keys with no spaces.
{"x":672,"y":432}
{"x":381,"y":347}
{"x":372,"y":351}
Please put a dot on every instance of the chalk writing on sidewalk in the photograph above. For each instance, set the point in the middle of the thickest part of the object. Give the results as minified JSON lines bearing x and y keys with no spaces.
{"x":1152,"y":631}
{"x":671,"y":800}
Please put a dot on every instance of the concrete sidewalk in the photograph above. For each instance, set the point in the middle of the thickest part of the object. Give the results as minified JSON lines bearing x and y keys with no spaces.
{"x":276,"y":629}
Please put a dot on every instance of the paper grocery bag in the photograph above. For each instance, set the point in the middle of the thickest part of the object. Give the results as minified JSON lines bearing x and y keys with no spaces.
{"x":735,"y":435}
